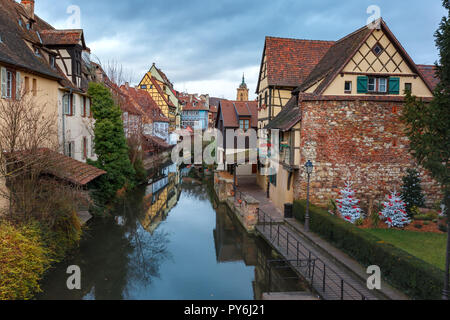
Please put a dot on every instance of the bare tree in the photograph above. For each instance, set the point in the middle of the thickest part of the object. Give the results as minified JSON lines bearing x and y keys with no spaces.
{"x":28,"y":144}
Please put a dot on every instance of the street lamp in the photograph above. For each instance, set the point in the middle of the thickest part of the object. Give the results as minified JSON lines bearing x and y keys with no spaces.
{"x":309,"y":169}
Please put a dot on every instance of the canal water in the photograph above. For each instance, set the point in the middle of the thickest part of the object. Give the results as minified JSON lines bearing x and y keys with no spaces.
{"x":170,"y":240}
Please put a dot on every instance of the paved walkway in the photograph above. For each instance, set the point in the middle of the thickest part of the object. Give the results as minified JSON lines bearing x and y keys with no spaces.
{"x":332,"y":273}
{"x":248,"y":186}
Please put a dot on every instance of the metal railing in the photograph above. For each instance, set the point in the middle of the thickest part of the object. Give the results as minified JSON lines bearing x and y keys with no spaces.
{"x":324,"y":279}
{"x":271,"y":265}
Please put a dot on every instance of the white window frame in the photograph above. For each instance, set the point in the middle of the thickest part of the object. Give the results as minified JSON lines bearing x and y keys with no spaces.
{"x":374,"y":84}
{"x":385,"y":85}
{"x":351,"y":86}
{"x":66,"y":105}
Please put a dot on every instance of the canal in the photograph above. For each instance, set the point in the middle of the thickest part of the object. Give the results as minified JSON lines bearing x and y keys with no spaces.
{"x":170,"y":240}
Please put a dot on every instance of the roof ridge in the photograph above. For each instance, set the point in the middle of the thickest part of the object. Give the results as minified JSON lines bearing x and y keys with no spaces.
{"x":298,"y":39}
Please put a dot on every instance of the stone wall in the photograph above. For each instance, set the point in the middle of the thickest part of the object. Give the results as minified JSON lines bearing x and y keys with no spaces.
{"x":361,"y":141}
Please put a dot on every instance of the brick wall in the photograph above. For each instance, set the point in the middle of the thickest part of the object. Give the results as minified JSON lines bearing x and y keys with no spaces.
{"x":359,"y":140}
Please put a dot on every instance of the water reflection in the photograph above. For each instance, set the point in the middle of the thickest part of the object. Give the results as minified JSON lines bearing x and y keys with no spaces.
{"x":168,"y":240}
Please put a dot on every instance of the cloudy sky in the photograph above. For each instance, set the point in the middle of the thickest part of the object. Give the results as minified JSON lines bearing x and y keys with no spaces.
{"x":205,"y":46}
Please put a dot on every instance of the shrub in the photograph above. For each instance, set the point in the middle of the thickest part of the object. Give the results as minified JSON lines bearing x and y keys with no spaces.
{"x":23,"y":261}
{"x":412,"y":191}
{"x":442,"y":227}
{"x":415,"y":277}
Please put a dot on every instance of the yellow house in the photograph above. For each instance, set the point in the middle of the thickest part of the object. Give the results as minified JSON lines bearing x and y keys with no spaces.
{"x":156,"y":83}
{"x":25,"y":66}
{"x":344,"y":116}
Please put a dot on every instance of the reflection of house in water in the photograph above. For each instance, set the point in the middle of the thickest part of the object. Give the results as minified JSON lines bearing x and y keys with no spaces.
{"x":231,"y":243}
{"x":162,"y":195}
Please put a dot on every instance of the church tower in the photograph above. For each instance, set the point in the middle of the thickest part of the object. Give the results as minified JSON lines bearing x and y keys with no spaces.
{"x":242,"y":91}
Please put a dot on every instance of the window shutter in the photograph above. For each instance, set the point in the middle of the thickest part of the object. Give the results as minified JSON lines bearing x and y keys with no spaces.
{"x":18,"y":86}
{"x":4,"y":80}
{"x":394,"y":85}
{"x":74,"y":101}
{"x":362,"y":84}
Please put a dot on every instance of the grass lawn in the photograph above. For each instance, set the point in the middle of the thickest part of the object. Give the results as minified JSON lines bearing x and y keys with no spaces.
{"x":429,"y":247}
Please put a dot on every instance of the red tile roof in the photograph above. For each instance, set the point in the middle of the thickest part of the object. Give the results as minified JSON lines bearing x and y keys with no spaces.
{"x":145,"y":103}
{"x":429,"y":73}
{"x":62,"y":37}
{"x":232,"y":110}
{"x":289,"y":61}
{"x":63,"y":167}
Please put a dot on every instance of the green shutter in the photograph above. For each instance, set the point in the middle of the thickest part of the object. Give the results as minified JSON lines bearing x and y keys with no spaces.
{"x":394,"y":85}
{"x":362,"y":84}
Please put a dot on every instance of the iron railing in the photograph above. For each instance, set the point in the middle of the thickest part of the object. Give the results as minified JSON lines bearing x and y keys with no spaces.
{"x":323,"y":278}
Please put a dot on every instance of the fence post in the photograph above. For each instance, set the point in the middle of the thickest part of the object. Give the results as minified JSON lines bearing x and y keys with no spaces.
{"x":287,"y":245}
{"x":324,"y":275}
{"x":278,"y":234}
{"x":309,"y":264}
{"x":297,"y":252}
{"x":264,"y":223}
{"x":342,"y":289}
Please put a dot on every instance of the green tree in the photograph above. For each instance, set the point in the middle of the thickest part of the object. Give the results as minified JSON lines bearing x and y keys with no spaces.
{"x":412,"y":190}
{"x":110,"y":146}
{"x":428,"y":125}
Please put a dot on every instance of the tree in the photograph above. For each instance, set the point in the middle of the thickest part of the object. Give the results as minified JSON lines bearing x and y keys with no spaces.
{"x":394,"y":212}
{"x":412,"y":191}
{"x":428,"y":125}
{"x":110,"y":145}
{"x":349,"y":205}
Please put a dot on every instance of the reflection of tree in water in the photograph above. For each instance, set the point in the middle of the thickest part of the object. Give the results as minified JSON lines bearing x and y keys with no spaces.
{"x":149,"y":250}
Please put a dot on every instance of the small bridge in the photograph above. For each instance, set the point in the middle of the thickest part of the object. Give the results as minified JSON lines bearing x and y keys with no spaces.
{"x":328,"y":280}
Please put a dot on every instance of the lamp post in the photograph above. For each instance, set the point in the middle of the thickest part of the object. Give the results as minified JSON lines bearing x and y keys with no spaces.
{"x":309,"y":169}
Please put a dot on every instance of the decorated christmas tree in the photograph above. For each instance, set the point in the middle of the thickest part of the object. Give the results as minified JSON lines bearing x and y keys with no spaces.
{"x":348,"y":205}
{"x":394,"y":212}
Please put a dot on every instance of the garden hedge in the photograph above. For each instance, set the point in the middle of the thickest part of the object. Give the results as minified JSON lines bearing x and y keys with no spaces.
{"x":415,"y":277}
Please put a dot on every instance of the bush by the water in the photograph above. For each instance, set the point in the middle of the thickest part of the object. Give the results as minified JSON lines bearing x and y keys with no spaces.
{"x":415,"y":277}
{"x":23,"y":261}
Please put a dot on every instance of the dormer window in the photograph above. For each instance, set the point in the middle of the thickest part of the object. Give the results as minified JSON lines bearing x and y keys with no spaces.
{"x":29,"y":26}
{"x":377,"y":49}
{"x":36,"y":52}
{"x":20,"y":22}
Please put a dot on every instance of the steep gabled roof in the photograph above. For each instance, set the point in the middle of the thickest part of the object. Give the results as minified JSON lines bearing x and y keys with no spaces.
{"x":335,"y":59}
{"x":165,"y":78}
{"x":340,"y":54}
{"x":289,"y":61}
{"x":14,"y":49}
{"x":161,"y":92}
{"x":232,"y":110}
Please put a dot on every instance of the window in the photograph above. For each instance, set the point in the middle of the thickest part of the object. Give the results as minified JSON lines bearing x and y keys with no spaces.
{"x":348,"y":87}
{"x":372,"y":85}
{"x":27,"y":84}
{"x":85,"y":148}
{"x":66,"y":105}
{"x":92,"y":147}
{"x":377,"y":49}
{"x":83,"y":112}
{"x":74,"y":104}
{"x":34,"y":87}
{"x":88,"y":108}
{"x":377,"y":85}
{"x":408,"y":87}
{"x":70,"y":149}
{"x":144,"y":87}
{"x":244,"y":124}
{"x":382,"y":85}
{"x":37,"y":52}
{"x":52,"y":61}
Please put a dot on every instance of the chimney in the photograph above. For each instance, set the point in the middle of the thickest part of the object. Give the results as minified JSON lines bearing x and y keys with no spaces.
{"x":127,"y":85}
{"x":29,"y":7}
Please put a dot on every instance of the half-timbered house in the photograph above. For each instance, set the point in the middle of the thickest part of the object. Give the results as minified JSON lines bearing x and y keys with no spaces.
{"x":344,"y":116}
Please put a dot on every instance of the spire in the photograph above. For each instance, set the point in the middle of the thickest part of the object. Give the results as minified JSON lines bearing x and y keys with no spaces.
{"x":243,"y":79}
